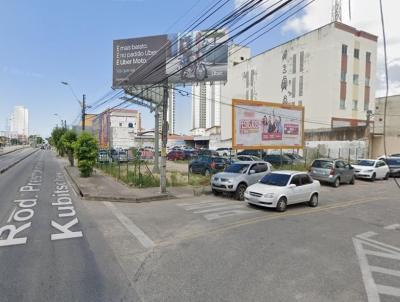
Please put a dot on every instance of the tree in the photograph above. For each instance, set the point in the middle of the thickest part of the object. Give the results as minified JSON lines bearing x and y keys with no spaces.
{"x":68,"y":140}
{"x":86,"y":153}
{"x":56,"y":138}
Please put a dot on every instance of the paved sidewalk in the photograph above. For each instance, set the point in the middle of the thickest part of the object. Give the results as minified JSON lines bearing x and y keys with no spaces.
{"x":103,"y":187}
{"x":9,"y":149}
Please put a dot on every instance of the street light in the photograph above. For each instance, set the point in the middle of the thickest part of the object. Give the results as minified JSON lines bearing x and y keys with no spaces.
{"x":82,"y":104}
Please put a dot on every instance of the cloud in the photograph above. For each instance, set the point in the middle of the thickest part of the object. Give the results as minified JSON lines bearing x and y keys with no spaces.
{"x":365,"y":15}
{"x":19,"y":72}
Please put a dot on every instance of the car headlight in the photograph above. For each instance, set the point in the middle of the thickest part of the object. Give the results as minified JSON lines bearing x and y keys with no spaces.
{"x":230,"y":181}
{"x":269,"y":195}
{"x":368,"y":171}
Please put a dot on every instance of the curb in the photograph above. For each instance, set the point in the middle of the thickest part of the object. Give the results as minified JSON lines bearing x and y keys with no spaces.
{"x":8,"y":152}
{"x":86,"y":196}
{"x":17,"y":162}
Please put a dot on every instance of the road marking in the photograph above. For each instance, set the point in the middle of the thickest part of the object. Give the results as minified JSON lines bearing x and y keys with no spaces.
{"x":11,"y":216}
{"x":130,"y":226}
{"x":395,"y":226}
{"x":383,"y":250}
{"x":231,"y":207}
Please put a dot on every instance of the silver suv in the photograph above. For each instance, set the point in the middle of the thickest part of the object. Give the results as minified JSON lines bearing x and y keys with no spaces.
{"x":238,"y":176}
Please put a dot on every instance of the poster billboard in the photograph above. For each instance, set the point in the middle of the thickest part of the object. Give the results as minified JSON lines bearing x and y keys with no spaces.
{"x":139,"y":61}
{"x":207,"y":49}
{"x":264,"y":125}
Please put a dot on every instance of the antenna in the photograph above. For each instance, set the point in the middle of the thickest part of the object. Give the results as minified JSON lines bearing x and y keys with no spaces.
{"x":336,"y":10}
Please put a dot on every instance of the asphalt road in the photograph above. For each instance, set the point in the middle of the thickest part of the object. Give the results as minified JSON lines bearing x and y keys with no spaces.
{"x":10,"y":158}
{"x":52,"y":252}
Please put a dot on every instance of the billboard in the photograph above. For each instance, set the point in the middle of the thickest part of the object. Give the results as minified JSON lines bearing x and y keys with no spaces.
{"x":139,"y":61}
{"x":207,"y":49}
{"x":263,"y":125}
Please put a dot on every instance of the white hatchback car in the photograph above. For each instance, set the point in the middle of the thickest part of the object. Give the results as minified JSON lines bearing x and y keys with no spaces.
{"x":371,"y":169}
{"x":281,"y":188}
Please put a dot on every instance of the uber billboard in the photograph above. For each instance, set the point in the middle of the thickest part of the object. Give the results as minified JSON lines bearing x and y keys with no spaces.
{"x":139,"y":61}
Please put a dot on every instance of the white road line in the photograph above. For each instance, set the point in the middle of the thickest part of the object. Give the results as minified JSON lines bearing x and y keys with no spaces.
{"x":386,"y":271}
{"x":130,"y":226}
{"x":383,"y":255}
{"x":193,"y":203}
{"x":231,"y":207}
{"x":224,"y":214}
{"x":204,"y":206}
{"x":395,"y":226}
{"x":388,"y":290}
{"x":11,"y":216}
{"x":366,"y":235}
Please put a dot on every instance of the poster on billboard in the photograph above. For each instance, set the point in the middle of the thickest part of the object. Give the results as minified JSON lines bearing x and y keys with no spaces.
{"x":139,"y":61}
{"x":264,"y":125}
{"x":197,"y":56}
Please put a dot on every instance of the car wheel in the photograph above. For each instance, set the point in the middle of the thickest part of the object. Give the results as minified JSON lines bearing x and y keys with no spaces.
{"x":336,"y":184}
{"x":207,"y":172}
{"x":313,"y":201}
{"x":352,"y":180}
{"x":281,"y":205}
{"x":386,"y":176}
{"x":373,"y":177}
{"x":239,"y":194}
{"x":216,"y":193}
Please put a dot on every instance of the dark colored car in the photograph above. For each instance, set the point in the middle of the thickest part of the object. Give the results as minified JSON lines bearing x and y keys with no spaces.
{"x":103,"y":156}
{"x":176,"y":155}
{"x":253,"y":153}
{"x":207,"y":164}
{"x":394,"y":165}
{"x":190,"y":154}
{"x":278,"y":159}
{"x":119,"y":155}
{"x":206,"y":152}
{"x":295,"y":158}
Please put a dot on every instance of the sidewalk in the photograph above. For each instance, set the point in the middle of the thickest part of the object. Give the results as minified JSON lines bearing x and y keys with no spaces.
{"x":9,"y":149}
{"x":103,"y":187}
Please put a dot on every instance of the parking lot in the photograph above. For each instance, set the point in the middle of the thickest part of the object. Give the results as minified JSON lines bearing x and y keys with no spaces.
{"x":220,"y":249}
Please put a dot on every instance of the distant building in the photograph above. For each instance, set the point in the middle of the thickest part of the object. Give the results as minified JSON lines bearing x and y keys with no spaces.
{"x":116,"y":128}
{"x":330,"y":71}
{"x":19,"y":122}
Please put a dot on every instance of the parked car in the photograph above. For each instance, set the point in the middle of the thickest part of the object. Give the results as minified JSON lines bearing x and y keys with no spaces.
{"x":207,"y":165}
{"x":252,"y":152}
{"x":332,"y":171}
{"x":278,"y":159}
{"x":190,"y":153}
{"x":248,"y":158}
{"x":382,"y":157}
{"x":103,"y":156}
{"x":297,"y":159}
{"x":238,"y":176}
{"x":207,"y":152}
{"x":176,"y":155}
{"x":119,"y":155}
{"x":282,"y":188}
{"x":371,"y":169}
{"x":224,"y":151}
{"x":394,"y":166}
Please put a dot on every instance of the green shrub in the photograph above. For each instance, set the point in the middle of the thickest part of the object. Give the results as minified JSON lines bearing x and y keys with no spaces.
{"x":86,"y":152}
{"x":68,"y":140}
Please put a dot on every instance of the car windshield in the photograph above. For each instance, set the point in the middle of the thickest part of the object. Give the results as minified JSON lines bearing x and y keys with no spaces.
{"x":275,"y":179}
{"x":237,"y":168}
{"x":393,"y":161}
{"x":365,"y":162}
{"x":324,"y":164}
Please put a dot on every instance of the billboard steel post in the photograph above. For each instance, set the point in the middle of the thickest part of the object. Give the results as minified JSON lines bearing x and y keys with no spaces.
{"x":156,"y":168}
{"x":164,"y":137}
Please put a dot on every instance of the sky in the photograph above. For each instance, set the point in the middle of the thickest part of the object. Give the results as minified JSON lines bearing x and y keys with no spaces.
{"x":45,"y":42}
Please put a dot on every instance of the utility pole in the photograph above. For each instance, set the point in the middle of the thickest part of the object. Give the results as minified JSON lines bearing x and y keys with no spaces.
{"x":156,"y":168}
{"x":83,"y":112}
{"x":368,"y":134}
{"x":164,"y":137}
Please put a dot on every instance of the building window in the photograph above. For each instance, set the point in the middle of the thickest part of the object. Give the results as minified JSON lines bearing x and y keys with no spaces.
{"x":120,"y":124}
{"x":342,"y":104}
{"x":300,"y":103}
{"x":130,"y":125}
{"x":355,"y":105}
{"x":366,"y":106}
{"x":355,"y":79}
{"x":367,"y":81}
{"x":301,"y":86}
{"x":344,"y":49}
{"x":301,"y":61}
{"x":343,"y":76}
{"x":356,"y":53}
{"x":368,"y":57}
{"x":293,"y":87}
{"x":294,"y":63}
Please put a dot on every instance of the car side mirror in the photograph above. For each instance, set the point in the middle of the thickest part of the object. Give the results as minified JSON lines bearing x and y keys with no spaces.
{"x":291,"y":186}
{"x":252,"y":172}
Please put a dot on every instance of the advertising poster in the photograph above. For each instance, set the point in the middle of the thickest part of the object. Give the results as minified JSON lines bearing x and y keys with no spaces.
{"x":264,"y":125}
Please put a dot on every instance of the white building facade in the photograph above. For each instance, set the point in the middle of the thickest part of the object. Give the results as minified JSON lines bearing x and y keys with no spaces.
{"x":19,"y":122}
{"x":330,"y":71}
